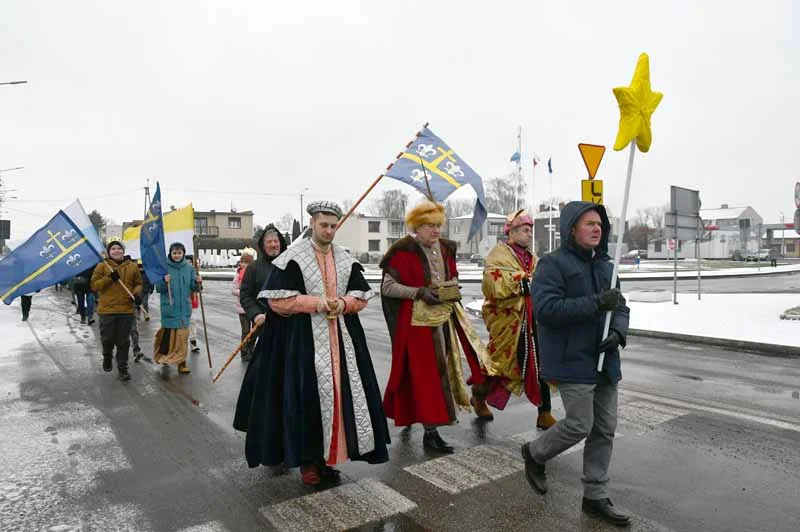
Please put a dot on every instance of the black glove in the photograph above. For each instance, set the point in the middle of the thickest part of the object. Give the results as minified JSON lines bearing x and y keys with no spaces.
{"x":611,"y":343}
{"x":114,"y":275}
{"x":137,"y":300}
{"x":525,"y":286}
{"x":608,"y":299}
{"x":428,"y":296}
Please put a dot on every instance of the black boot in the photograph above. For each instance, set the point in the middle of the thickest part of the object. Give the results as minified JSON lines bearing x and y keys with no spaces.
{"x":434,"y":442}
{"x":604,"y":509}
{"x":534,"y":471}
{"x":107,"y":363}
{"x":124,"y":375}
{"x":195,"y":349}
{"x":24,"y":316}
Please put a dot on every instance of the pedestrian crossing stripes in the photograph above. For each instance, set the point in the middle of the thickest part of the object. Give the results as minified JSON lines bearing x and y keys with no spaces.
{"x":340,"y":508}
{"x":213,"y":526}
{"x":645,"y":414}
{"x":468,"y":468}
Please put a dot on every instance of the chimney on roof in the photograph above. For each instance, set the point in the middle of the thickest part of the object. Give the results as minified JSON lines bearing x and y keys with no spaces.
{"x":724,"y":206}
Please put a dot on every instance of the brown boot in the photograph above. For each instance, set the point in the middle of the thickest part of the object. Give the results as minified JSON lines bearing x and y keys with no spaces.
{"x":545,"y":421}
{"x":481,"y":408}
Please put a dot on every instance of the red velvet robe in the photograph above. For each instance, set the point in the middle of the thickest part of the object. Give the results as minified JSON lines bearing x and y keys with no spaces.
{"x":414,"y":392}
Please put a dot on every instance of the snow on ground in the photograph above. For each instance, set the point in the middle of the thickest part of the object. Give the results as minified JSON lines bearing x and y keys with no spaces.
{"x":659,"y":270}
{"x":742,"y":317}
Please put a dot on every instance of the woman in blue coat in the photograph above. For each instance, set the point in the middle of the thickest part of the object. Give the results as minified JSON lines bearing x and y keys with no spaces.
{"x":172,"y":340}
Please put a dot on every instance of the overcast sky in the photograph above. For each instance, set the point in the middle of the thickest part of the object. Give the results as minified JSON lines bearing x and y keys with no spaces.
{"x":229,"y":102}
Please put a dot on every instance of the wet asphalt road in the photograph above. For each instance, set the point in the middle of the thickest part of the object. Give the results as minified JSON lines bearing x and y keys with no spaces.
{"x":709,"y":439}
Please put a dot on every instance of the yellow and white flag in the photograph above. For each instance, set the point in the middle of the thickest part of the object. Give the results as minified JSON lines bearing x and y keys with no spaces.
{"x":178,"y":227}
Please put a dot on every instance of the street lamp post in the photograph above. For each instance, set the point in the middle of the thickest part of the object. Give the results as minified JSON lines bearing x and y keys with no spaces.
{"x":301,"y":208}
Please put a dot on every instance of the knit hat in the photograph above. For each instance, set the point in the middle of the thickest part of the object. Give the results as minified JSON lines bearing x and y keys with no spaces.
{"x":426,"y":212}
{"x":114,"y":243}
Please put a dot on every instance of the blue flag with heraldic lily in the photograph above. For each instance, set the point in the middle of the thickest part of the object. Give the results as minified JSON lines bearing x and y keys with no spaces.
{"x":446,"y":172}
{"x":151,"y":241}
{"x":56,"y":252}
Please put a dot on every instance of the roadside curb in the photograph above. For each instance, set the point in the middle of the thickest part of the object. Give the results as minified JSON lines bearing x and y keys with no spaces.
{"x":783,"y":351}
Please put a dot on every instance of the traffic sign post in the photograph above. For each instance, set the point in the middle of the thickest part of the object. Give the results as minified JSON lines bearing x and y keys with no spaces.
{"x":592,"y":155}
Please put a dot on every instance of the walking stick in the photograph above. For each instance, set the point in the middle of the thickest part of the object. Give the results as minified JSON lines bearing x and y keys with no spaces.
{"x":133,"y":298}
{"x":203,"y":312}
{"x":233,"y":355}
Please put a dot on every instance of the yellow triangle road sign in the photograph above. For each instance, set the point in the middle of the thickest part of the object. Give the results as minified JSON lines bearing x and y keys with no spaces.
{"x":592,"y":155}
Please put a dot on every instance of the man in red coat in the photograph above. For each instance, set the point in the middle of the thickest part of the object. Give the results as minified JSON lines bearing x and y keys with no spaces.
{"x":429,"y":329}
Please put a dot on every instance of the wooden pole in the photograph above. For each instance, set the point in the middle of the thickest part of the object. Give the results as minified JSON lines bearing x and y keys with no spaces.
{"x":202,"y":307}
{"x":133,"y":298}
{"x":233,"y":355}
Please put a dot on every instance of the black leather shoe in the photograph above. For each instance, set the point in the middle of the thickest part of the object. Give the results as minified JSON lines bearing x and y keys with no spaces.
{"x":534,"y":471}
{"x":433,"y":442}
{"x":106,"y":364}
{"x":124,"y":375}
{"x":604,"y":509}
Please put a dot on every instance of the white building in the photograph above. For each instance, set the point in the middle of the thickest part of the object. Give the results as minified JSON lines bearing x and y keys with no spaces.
{"x":370,"y":236}
{"x":728,"y":231}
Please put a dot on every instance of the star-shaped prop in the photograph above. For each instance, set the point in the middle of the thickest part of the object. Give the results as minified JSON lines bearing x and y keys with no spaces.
{"x":636,"y":104}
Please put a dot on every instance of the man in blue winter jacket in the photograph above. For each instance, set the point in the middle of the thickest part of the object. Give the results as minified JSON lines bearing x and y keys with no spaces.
{"x":571,"y":294}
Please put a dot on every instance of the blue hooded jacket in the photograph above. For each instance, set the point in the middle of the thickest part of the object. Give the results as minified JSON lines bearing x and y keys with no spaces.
{"x":182,"y":283}
{"x":570,"y":323}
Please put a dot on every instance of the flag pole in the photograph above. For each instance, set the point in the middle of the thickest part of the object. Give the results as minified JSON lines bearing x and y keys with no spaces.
{"x":618,"y":248}
{"x":202,"y":307}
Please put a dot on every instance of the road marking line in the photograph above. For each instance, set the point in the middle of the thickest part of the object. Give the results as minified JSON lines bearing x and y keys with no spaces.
{"x":212,"y":526}
{"x":693,"y":405}
{"x":468,"y":468}
{"x":341,"y":508}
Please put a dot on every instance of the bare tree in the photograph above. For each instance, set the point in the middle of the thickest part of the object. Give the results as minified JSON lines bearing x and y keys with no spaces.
{"x":391,"y":204}
{"x":656,"y":217}
{"x":500,"y":194}
{"x":285,"y":222}
{"x":458,"y":207}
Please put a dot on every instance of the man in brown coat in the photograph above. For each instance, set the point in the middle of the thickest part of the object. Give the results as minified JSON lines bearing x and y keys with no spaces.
{"x":116,"y":306}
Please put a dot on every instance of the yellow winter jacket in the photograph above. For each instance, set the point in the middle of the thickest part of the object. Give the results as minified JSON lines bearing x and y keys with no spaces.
{"x":112,"y":297}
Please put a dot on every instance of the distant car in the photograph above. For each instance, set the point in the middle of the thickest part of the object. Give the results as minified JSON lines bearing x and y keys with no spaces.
{"x":476,"y":259}
{"x":755,"y":256}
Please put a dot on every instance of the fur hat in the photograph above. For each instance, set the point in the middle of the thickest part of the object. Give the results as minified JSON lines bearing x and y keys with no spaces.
{"x":249,"y":251}
{"x":426,"y":212}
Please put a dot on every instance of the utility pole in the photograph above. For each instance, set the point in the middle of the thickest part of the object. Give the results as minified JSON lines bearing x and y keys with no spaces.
{"x":3,"y":193}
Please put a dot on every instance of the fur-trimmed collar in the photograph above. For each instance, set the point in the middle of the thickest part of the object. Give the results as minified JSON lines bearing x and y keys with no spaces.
{"x":409,"y":243}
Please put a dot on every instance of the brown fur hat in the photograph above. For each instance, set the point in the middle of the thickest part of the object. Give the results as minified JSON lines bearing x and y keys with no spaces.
{"x":426,"y":212}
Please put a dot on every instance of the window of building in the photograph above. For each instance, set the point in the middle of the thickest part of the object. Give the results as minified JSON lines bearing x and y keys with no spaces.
{"x":374,"y":227}
{"x":374,"y":245}
{"x":234,"y":222}
{"x":658,"y":246}
{"x":495,"y":229}
{"x":396,"y":228}
{"x":790,"y":247}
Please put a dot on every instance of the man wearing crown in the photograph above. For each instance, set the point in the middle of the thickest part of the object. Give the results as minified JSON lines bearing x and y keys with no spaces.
{"x":310,"y":397}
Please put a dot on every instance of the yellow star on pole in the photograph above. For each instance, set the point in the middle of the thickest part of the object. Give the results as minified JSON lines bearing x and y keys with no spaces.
{"x":636,"y":104}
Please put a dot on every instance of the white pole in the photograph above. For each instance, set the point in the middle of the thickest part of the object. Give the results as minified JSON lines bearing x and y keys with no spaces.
{"x":519,"y":168}
{"x":550,"y":212}
{"x":618,"y":248}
